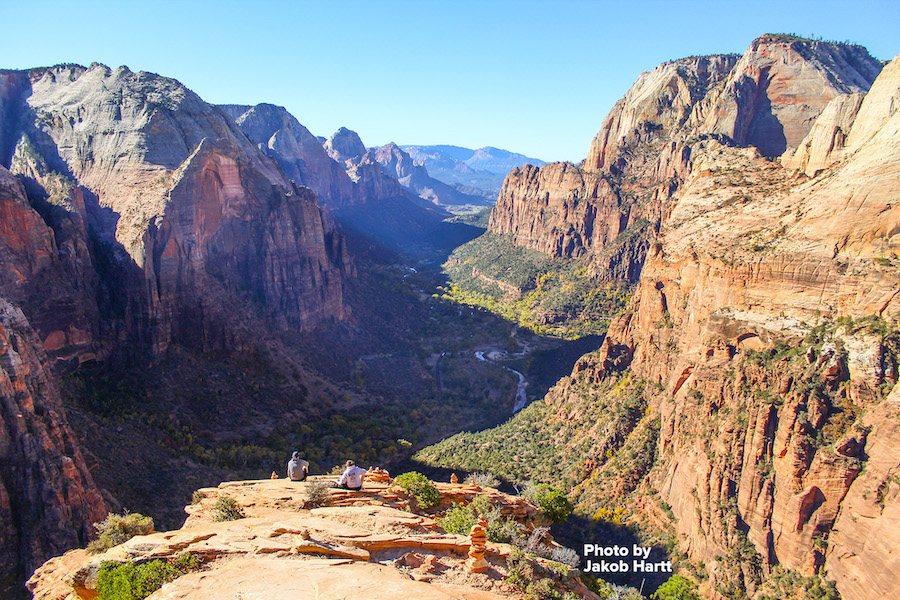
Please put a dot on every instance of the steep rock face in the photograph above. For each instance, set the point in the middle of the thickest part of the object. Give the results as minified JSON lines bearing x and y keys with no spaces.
{"x":345,"y":146}
{"x":780,"y":86}
{"x":45,"y":262}
{"x":659,"y":103}
{"x":48,"y":500}
{"x":199,"y":210}
{"x":862,"y":557}
{"x":299,"y":154}
{"x":416,"y":179}
{"x":741,"y":264}
{"x":768,"y":99}
{"x":835,"y":134}
{"x":635,"y":165}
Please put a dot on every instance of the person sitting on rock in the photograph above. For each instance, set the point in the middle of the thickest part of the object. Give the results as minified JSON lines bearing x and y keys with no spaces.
{"x":352,"y":477}
{"x":297,"y":468}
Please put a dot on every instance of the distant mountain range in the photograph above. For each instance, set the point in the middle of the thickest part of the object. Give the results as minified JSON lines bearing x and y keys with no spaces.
{"x":480,"y":171}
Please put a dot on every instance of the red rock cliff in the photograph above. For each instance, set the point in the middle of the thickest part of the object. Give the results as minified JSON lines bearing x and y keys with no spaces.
{"x":202,"y":215}
{"x":765,"y":443}
{"x":48,"y":500}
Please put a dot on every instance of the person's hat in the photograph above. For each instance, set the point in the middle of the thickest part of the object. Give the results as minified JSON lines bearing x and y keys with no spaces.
{"x":296,"y":455}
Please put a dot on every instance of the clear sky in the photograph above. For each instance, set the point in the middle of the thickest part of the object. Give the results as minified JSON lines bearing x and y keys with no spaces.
{"x":528,"y":76}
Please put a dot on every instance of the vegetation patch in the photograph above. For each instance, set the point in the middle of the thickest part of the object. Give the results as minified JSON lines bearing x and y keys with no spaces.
{"x":420,"y":487}
{"x":118,"y":529}
{"x":550,"y":296}
{"x":136,"y":581}
{"x":227,"y":509}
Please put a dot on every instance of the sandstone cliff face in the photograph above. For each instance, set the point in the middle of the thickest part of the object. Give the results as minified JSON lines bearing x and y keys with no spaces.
{"x":48,"y":500}
{"x":780,"y":86}
{"x":635,"y":165}
{"x":133,"y":216}
{"x":759,"y":451}
{"x":761,"y":448}
{"x":768,"y":99}
{"x":199,"y":211}
{"x":299,"y":154}
{"x":658,"y":104}
{"x":834,"y":136}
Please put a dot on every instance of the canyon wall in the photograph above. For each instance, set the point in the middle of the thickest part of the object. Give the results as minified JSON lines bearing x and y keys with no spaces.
{"x":762,"y":331}
{"x":643,"y":152}
{"x":48,"y":500}
{"x":176,"y":207}
{"x":135,"y":217}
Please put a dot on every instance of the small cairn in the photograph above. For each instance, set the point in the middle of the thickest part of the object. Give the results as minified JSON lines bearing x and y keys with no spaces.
{"x":478,"y":547}
{"x":274,"y":475}
{"x":378,"y":475}
{"x":454,"y":478}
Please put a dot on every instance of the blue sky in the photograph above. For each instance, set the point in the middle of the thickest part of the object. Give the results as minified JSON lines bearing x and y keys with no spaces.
{"x":528,"y":76}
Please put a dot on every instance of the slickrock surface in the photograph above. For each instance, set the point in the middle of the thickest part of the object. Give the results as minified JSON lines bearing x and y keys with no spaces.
{"x":360,"y":546}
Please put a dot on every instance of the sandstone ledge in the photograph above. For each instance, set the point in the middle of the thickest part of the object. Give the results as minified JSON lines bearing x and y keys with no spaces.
{"x":363,"y":545}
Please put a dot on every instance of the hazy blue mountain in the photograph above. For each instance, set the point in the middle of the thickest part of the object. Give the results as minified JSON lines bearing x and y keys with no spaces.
{"x":480,"y":171}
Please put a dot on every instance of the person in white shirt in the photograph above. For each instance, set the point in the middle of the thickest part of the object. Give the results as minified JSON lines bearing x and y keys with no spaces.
{"x":352,"y":477}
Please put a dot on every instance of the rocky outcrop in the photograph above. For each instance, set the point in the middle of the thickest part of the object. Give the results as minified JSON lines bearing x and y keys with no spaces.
{"x":644,"y":152}
{"x":183,"y":210}
{"x":415,"y":178}
{"x":834,"y":136}
{"x":345,"y":147}
{"x":299,"y":154}
{"x":48,"y":500}
{"x":659,"y":104}
{"x":761,"y":328}
{"x":361,"y":544}
{"x":134,"y":217}
{"x":780,"y":86}
{"x":861,"y":553}
{"x":746,"y":263}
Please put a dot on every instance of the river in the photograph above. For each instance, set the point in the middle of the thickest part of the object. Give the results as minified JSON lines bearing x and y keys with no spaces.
{"x":521,"y":396}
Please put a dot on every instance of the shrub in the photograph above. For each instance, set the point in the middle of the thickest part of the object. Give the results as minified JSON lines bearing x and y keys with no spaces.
{"x":482,"y":479}
{"x":460,"y":518}
{"x":317,"y":494}
{"x":117,"y":529}
{"x":227,"y":509}
{"x":421,"y":488}
{"x":136,"y":581}
{"x":552,"y":502}
{"x":676,"y":587}
{"x":566,"y":556}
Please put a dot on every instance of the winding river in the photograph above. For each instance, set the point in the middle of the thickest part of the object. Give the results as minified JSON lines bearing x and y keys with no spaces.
{"x":521,"y":396}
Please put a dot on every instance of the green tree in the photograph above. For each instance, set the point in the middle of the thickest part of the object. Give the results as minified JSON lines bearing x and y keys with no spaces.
{"x":676,"y":587}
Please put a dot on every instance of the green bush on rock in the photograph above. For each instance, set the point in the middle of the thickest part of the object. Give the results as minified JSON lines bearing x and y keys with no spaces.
{"x":421,"y":488}
{"x":136,"y":581}
{"x":117,"y":529}
{"x":552,"y":502}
